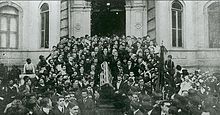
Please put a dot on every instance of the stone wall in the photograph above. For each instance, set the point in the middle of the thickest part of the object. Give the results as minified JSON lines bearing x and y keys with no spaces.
{"x":195,"y":53}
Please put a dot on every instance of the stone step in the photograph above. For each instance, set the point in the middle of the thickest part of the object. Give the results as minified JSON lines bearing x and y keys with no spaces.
{"x":108,"y":110}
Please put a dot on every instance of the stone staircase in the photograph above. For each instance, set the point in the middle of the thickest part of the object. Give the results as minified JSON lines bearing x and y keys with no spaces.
{"x":108,"y":110}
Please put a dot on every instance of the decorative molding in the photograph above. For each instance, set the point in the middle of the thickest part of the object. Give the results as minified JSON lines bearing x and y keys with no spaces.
{"x":138,"y":26}
{"x":77,"y":27}
{"x":19,"y":51}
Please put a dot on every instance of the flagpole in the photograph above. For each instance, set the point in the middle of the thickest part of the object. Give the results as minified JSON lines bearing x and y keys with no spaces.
{"x":161,"y":77}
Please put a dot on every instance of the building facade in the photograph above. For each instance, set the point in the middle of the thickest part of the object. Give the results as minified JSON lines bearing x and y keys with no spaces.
{"x":190,"y":30}
{"x":28,"y":29}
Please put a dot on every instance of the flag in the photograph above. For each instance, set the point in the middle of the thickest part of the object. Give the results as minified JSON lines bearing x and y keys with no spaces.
{"x":105,"y":75}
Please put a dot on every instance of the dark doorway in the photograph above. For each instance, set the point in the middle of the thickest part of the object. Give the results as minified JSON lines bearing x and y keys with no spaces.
{"x":108,"y":17}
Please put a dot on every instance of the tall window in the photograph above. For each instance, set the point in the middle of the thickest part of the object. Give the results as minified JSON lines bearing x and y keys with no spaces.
{"x":45,"y":26}
{"x":8,"y":27}
{"x":177,"y":11}
{"x":214,"y":25}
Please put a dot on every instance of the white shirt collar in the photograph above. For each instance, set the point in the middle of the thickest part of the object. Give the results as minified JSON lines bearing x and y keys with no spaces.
{"x":163,"y":113}
{"x":66,"y":104}
{"x":46,"y":110}
{"x":60,"y":108}
{"x":136,"y":111}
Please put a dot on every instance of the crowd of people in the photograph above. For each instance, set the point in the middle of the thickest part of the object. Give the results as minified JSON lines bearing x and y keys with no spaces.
{"x":67,"y":82}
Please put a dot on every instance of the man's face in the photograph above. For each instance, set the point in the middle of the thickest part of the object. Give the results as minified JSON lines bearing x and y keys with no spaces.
{"x":131,"y":74}
{"x":10,"y":82}
{"x":60,"y":102}
{"x":141,"y":82}
{"x":129,"y":62}
{"x":28,"y":61}
{"x":135,"y":98}
{"x":93,"y":54}
{"x":89,"y":89}
{"x":84,"y":94}
{"x":140,"y":60}
{"x":67,"y":98}
{"x":165,"y":107}
{"x":119,"y":78}
{"x":96,"y":49}
{"x":169,"y":58}
{"x":60,"y":57}
{"x":71,"y":59}
{"x":185,"y":93}
{"x":91,"y":83}
{"x":148,"y":38}
{"x":130,"y":83}
{"x":105,"y":51}
{"x":74,"y":110}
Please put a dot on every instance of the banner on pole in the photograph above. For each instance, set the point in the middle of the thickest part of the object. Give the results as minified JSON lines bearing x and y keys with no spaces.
{"x":105,"y":75}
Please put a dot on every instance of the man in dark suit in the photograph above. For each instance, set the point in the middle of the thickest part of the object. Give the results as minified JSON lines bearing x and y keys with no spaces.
{"x":128,"y":67}
{"x":44,"y":108}
{"x":177,"y":78}
{"x":69,"y":66}
{"x":86,"y":104}
{"x":59,"y":109}
{"x":169,"y":65}
{"x":113,"y":64}
{"x":120,"y":86}
{"x":121,"y":89}
{"x":104,"y":56}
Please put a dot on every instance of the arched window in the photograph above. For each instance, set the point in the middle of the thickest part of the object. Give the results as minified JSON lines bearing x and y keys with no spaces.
{"x":177,"y":11}
{"x":44,"y":26}
{"x":9,"y":27}
{"x":214,"y":24}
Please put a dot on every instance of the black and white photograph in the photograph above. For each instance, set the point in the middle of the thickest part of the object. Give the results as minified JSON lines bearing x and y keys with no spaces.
{"x":109,"y":57}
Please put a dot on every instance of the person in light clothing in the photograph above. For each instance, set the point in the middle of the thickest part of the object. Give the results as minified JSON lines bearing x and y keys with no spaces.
{"x":185,"y":86}
{"x":29,"y":67}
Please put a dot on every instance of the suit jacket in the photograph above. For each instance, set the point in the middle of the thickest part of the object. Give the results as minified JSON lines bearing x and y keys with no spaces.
{"x":113,"y":66}
{"x":87,"y":106}
{"x":102,"y":57}
{"x":38,"y":111}
{"x":156,"y":111}
{"x":127,"y":68}
{"x":123,"y":87}
{"x":69,"y":69}
{"x":56,"y":111}
{"x":169,"y":65}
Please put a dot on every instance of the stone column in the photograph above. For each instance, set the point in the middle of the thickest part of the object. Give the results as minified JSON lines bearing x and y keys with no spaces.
{"x":80,"y":14}
{"x":64,"y":18}
{"x":136,"y":18}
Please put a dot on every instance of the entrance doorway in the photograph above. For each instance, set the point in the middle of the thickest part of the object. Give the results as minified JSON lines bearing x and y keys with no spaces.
{"x":108,"y":17}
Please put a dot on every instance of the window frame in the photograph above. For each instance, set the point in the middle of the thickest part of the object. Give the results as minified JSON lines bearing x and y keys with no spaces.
{"x":8,"y":32}
{"x":177,"y":27}
{"x":44,"y":30}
